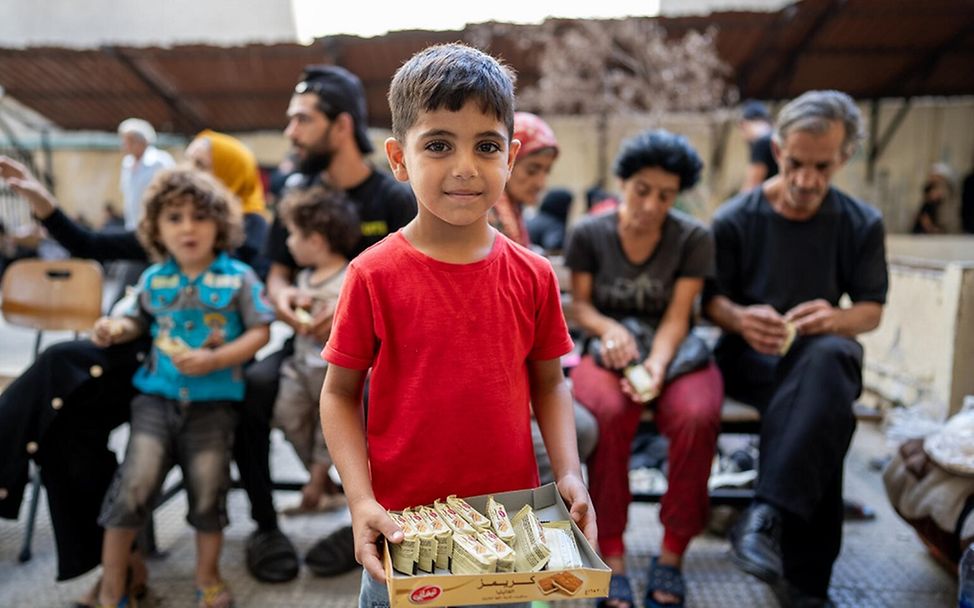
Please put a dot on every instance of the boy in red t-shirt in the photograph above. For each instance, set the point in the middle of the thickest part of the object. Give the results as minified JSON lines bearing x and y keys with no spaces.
{"x":462,"y":328}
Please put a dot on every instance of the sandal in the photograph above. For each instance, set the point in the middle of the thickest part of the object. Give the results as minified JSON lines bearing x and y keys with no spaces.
{"x":620,"y":592}
{"x":137,"y":591}
{"x":271,"y":557}
{"x":216,"y":595}
{"x":667,"y":579}
{"x":334,"y":554}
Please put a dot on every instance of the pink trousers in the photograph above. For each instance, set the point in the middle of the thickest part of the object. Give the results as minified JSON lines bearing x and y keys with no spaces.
{"x":687,"y":412}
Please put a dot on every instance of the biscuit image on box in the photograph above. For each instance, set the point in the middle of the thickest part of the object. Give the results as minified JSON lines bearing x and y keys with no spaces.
{"x":547,"y":584}
{"x":567,"y":582}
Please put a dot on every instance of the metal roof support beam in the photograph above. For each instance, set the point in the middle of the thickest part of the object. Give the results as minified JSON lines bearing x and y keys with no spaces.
{"x":777,"y":85}
{"x":876,"y":148}
{"x":760,"y":50}
{"x":182,"y":112}
{"x":917,"y":73}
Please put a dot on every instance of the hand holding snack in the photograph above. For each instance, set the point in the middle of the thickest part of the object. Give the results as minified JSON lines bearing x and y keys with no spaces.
{"x":813,"y":317}
{"x":107,"y":331}
{"x":195,"y":362}
{"x":763,"y":328}
{"x":369,"y":522}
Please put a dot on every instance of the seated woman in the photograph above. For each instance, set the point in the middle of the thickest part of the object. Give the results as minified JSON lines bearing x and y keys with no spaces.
{"x":74,"y":394}
{"x":648,"y":262}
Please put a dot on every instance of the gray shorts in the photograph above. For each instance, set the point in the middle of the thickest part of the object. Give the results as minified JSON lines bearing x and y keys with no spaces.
{"x":196,"y":436}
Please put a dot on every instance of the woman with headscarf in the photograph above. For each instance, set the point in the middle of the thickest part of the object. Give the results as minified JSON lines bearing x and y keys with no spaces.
{"x":91,"y":387}
{"x":539,"y":149}
{"x":230,"y":161}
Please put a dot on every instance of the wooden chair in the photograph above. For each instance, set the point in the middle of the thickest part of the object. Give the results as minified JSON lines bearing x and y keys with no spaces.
{"x":49,"y":295}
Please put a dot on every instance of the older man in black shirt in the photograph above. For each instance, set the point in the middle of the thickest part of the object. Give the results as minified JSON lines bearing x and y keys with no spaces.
{"x":786,"y":253}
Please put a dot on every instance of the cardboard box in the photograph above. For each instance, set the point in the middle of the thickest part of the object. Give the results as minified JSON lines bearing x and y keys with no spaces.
{"x":444,"y":589}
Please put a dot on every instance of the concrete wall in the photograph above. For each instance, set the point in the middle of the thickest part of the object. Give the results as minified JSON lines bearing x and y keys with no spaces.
{"x":923,"y":352}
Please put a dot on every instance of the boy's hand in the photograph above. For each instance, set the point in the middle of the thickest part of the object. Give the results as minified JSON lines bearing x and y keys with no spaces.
{"x":105,"y":331}
{"x":285,"y":302}
{"x":369,"y":522}
{"x":320,"y":326}
{"x":195,"y":362}
{"x":573,"y":490}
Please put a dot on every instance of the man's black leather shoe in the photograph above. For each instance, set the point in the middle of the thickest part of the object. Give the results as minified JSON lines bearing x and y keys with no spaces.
{"x":756,"y":543}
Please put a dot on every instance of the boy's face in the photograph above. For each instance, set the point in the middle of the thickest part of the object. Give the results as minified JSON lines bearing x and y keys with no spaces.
{"x":305,"y":248}
{"x":188,"y":234}
{"x":456,"y":162}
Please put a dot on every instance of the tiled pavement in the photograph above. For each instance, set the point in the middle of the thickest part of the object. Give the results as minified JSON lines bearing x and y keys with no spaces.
{"x":882,"y":563}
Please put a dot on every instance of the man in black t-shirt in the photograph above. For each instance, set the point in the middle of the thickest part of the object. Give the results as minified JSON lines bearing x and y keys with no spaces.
{"x":786,"y":253}
{"x":756,"y":125}
{"x":327,"y":129}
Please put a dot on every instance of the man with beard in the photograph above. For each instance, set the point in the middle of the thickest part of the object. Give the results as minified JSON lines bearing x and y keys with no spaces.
{"x":327,"y":129}
{"x":787,"y":251}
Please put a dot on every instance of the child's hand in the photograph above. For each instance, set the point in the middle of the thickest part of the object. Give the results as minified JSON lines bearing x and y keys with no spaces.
{"x":321,"y":323}
{"x":284,"y":306}
{"x":196,"y":362}
{"x":105,"y":331}
{"x":369,"y":522}
{"x":573,"y":490}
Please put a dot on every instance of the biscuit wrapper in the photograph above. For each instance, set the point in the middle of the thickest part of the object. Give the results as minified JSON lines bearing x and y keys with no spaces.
{"x":303,"y":316}
{"x":499,"y":520}
{"x":503,"y":552}
{"x":790,"y":332}
{"x":405,"y":554}
{"x":443,"y":534}
{"x":427,"y":540}
{"x":470,"y":556}
{"x":560,"y":539}
{"x":476,"y":519}
{"x":530,"y":551}
{"x":453,"y":519}
{"x":171,"y":346}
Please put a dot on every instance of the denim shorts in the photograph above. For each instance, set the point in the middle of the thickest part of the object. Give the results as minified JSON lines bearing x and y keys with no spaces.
{"x":196,"y":436}
{"x":374,"y":594}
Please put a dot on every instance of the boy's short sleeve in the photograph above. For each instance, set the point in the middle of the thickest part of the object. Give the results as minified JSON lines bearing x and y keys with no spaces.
{"x":255,"y":309}
{"x":551,"y":339}
{"x":352,"y":343}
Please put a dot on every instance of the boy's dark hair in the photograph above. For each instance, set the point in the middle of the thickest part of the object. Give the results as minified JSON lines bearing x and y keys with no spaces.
{"x":448,"y":76}
{"x":327,"y":212}
{"x":176,"y":186}
{"x":659,"y":148}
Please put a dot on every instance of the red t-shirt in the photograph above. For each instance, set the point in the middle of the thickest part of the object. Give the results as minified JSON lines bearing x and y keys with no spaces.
{"x":449,"y":409}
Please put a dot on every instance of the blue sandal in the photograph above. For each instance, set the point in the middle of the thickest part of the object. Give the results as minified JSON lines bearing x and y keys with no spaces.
{"x":667,"y":579}
{"x":620,"y":590}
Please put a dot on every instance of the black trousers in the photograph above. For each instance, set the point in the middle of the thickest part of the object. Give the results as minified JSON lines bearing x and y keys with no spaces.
{"x":253,"y":444}
{"x":807,"y":425}
{"x":92,"y":389}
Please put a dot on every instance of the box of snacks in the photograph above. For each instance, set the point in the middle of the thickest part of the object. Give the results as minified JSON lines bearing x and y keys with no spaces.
{"x":492,"y":549}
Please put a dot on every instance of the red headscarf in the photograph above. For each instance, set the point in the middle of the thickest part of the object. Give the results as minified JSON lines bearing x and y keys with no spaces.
{"x":535,"y":135}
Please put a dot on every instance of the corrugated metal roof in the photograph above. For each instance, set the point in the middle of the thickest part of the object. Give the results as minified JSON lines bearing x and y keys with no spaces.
{"x":868,"y":48}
